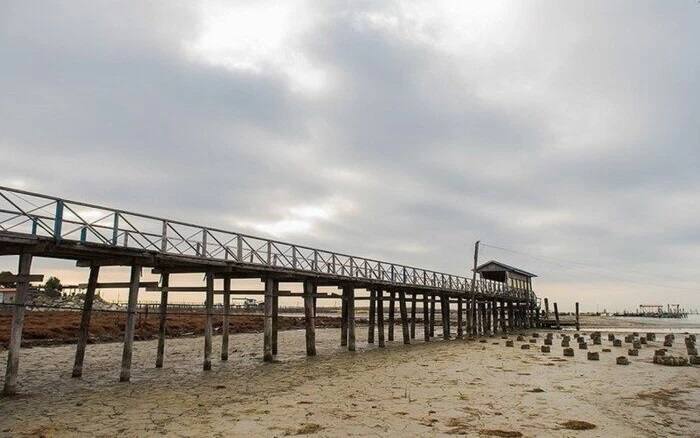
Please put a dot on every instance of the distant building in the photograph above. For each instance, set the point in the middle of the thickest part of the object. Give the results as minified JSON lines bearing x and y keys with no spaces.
{"x":514,"y":277}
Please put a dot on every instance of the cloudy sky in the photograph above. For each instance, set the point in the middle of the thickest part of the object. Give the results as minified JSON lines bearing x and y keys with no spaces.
{"x":567,"y":133}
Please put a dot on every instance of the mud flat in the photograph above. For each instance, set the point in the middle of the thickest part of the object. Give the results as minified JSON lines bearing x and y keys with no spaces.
{"x":440,"y":388}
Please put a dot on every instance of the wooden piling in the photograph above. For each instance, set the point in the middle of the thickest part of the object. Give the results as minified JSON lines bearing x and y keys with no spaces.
{"x":546,"y":308}
{"x":127,"y":353}
{"x":380,"y":318}
{"x":351,"y":318}
{"x":468,"y":312}
{"x":208,"y":326}
{"x":25,"y":264}
{"x":556,"y":315}
{"x":392,"y":307}
{"x":445,"y":313}
{"x":162,"y":316}
{"x":502,"y":306}
{"x":511,"y":316}
{"x":372,"y":317}
{"x":578,"y":327}
{"x":413,"y":316}
{"x":460,"y":332}
{"x":275,"y":317}
{"x":310,"y":318}
{"x":426,"y":319}
{"x":494,"y":316}
{"x":432,"y":315}
{"x":83,"y":331}
{"x":267,"y":322}
{"x":225,"y":322}
{"x":404,"y":318}
{"x":344,"y":318}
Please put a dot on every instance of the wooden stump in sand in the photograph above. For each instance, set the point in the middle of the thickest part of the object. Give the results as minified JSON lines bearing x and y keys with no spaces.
{"x":593,"y":355}
{"x":569,"y":352}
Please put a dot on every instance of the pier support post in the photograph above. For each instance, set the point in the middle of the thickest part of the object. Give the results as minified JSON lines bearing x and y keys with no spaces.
{"x":404,"y":318}
{"x":127,"y":353}
{"x":487,"y":317}
{"x":309,"y":317}
{"x":392,"y":308}
{"x":208,"y":325}
{"x":344,"y":318}
{"x":460,"y":329}
{"x":351,"y":317}
{"x":162,"y":317}
{"x":556,"y":316}
{"x":503,"y":317}
{"x":372,"y":316}
{"x":445,"y":312}
{"x":275,"y":316}
{"x":380,"y":318}
{"x":270,"y":286}
{"x":83,"y":331}
{"x":546,"y":308}
{"x":578,"y":327}
{"x":432,"y":315}
{"x":494,"y":316}
{"x":413,"y":316}
{"x":225,"y":322}
{"x":426,"y":319}
{"x":25,"y":264}
{"x":511,"y":323}
{"x":469,"y":315}
{"x":482,"y":306}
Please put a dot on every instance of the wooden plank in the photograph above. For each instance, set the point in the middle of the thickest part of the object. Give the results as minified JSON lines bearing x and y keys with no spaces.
{"x":127,"y":353}
{"x":83,"y":331}
{"x":8,"y":277}
{"x":160,"y":351}
{"x":309,"y":320}
{"x":121,"y":285}
{"x":12,"y":369}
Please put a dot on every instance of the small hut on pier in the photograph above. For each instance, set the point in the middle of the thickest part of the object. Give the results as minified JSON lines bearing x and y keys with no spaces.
{"x":511,"y":276}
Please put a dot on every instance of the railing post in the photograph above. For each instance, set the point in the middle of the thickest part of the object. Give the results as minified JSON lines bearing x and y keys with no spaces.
{"x":115,"y":229}
{"x":294,"y":257}
{"x":164,"y":237}
{"x":204,"y":242}
{"x":239,"y":249}
{"x":269,"y":253}
{"x":58,"y":220}
{"x":34,"y":224}
{"x":315,"y":260}
{"x":83,"y":234}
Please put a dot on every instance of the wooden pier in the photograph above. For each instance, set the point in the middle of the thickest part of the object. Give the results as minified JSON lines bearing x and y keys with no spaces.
{"x":34,"y":225}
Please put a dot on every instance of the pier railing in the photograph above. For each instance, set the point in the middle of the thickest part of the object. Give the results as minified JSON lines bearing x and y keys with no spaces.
{"x":61,"y":219}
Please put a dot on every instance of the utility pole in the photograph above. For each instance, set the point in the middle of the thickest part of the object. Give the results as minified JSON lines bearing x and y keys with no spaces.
{"x":476,"y":261}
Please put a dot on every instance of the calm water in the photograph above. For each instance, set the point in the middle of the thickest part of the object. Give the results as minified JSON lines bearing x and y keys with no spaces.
{"x":691,"y":324}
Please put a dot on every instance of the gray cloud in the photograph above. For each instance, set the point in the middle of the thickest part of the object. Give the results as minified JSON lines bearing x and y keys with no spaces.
{"x":564,"y":131}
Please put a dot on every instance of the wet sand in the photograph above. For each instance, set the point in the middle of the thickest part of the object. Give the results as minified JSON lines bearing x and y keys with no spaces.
{"x":440,"y":388}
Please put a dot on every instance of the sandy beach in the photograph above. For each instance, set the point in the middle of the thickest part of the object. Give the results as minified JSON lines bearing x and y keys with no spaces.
{"x":464,"y":387}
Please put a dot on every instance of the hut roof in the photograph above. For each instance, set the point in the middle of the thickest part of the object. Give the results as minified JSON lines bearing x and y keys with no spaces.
{"x":505,"y":268}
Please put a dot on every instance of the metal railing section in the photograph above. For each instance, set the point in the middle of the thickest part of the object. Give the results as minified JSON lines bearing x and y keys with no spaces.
{"x":61,"y":219}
